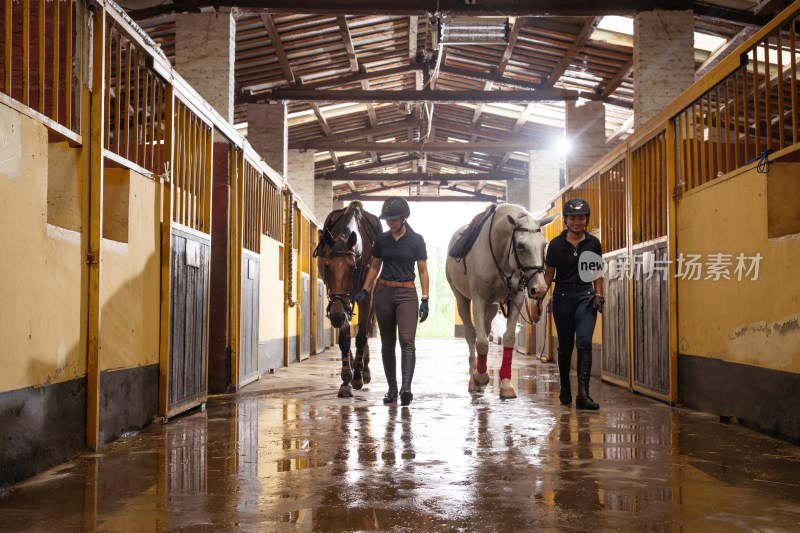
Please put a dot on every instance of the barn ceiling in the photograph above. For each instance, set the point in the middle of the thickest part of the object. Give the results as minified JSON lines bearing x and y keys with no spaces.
{"x":387,"y":111}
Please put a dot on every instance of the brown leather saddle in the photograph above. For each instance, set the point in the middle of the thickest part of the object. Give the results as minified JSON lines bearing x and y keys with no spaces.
{"x":464,"y":243}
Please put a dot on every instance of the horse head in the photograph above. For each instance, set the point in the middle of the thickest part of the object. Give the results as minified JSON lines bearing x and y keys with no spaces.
{"x":341,"y":268}
{"x":526,"y":250}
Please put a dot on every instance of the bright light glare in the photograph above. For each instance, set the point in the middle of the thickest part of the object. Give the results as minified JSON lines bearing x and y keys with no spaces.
{"x":563,"y":146}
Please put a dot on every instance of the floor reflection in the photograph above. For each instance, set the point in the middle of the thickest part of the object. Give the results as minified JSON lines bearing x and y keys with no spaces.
{"x":452,"y":461}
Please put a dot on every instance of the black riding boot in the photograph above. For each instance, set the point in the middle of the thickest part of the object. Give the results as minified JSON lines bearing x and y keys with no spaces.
{"x":408,"y":359}
{"x":583,"y":401}
{"x":564,"y":363}
{"x":390,"y":369}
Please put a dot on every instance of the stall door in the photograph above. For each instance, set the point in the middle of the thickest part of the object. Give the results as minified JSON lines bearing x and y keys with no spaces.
{"x":248,"y":346}
{"x":188,"y":321}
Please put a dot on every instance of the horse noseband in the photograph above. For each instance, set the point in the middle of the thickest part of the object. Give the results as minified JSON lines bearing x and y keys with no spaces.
{"x":524,"y":280}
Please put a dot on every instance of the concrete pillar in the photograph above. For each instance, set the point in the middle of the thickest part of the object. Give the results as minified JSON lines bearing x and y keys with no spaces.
{"x":542,"y":182}
{"x":586,"y":134}
{"x":663,"y":60}
{"x":323,"y":198}
{"x":268,"y":134}
{"x":300,"y":168}
{"x":205,"y":45}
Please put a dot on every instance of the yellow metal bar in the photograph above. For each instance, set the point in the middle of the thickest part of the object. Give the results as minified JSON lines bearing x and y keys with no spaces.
{"x":167,"y":206}
{"x":718,"y":114}
{"x":40,"y":48}
{"x":26,"y":51}
{"x":68,"y":67}
{"x":629,"y":190}
{"x":154,"y":118}
{"x":756,"y":102}
{"x":94,"y":252}
{"x":126,"y":126}
{"x":206,"y":191}
{"x":9,"y":45}
{"x":746,"y":108}
{"x":236,"y":264}
{"x":728,"y":167}
{"x":56,"y":63}
{"x":792,"y":54}
{"x":781,"y":125}
{"x":107,"y":103}
{"x":136,"y":107}
{"x":143,"y":137}
{"x":768,"y":94}
{"x":736,"y":137}
{"x":118,"y":96}
{"x":672,"y":253}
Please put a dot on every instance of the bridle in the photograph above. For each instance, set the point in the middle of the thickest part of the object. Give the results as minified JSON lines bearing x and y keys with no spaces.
{"x":524,"y":277}
{"x":346,"y":298}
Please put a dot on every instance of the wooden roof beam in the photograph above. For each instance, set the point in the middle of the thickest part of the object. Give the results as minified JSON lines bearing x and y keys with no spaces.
{"x":577,"y":45}
{"x":391,"y":147}
{"x":275,"y":38}
{"x":427,"y":8}
{"x":434,"y":96}
{"x":344,"y":175}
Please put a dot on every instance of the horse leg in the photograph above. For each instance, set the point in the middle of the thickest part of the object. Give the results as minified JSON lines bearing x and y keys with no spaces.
{"x":346,"y":391}
{"x":509,"y":338}
{"x":358,"y":362}
{"x":481,"y":375}
{"x":463,"y":307}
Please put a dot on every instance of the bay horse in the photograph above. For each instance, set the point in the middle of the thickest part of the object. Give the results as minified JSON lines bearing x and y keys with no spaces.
{"x":344,"y":254}
{"x":504,"y":266}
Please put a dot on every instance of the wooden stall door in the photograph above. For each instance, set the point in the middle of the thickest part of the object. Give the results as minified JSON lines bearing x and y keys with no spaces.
{"x":248,"y":346}
{"x":189,"y":321}
{"x":651,"y":321}
{"x":616,"y":357}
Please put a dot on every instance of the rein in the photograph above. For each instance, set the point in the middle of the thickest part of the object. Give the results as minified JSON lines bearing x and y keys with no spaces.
{"x":524,"y":279}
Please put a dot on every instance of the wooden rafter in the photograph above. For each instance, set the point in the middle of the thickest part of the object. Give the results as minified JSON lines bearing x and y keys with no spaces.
{"x":577,"y":45}
{"x":424,"y":96}
{"x":390,"y":147}
{"x":419,"y":176}
{"x":275,"y":38}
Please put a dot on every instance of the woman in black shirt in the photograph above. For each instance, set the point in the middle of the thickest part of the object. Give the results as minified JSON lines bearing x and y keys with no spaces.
{"x":574,"y":258}
{"x":396,"y":305}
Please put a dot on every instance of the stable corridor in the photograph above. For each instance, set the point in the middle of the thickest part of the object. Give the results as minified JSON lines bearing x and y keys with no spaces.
{"x":285,"y":454}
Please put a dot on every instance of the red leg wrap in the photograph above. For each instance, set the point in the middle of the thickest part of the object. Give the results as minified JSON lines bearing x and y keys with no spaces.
{"x":505,"y":368}
{"x":482,"y":363}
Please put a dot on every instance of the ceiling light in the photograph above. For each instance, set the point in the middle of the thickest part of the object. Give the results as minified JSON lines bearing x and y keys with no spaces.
{"x":472,"y":30}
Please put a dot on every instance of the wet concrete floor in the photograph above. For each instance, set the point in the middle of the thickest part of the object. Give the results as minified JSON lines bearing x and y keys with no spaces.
{"x":285,"y":454}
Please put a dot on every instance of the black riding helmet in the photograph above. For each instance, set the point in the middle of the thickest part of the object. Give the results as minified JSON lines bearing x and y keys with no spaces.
{"x":395,"y":207}
{"x":575,"y":206}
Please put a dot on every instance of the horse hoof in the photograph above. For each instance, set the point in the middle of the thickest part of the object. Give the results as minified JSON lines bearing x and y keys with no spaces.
{"x":481,"y":380}
{"x":345,"y":391}
{"x":357,"y":382}
{"x":507,"y":391}
{"x":366,"y":375}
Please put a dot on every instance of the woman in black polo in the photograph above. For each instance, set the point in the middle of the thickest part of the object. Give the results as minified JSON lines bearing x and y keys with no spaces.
{"x":396,"y":304}
{"x":573,"y":259}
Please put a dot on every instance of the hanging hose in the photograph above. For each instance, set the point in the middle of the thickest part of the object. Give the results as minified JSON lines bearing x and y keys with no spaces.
{"x":290,"y":251}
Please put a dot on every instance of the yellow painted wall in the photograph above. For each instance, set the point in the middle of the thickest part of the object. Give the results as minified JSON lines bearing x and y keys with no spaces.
{"x":131,"y":276}
{"x":270,"y":317}
{"x":42,"y":292}
{"x":749,"y":322}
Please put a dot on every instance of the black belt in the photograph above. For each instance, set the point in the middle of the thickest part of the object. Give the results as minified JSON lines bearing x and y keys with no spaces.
{"x":572,"y":287}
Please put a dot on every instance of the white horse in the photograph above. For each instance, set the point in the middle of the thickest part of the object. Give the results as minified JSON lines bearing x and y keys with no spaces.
{"x":504,"y":266}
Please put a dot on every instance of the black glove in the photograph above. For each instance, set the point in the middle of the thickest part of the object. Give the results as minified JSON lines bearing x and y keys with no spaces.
{"x":597,"y":302}
{"x":362,"y":295}
{"x":423,"y":311}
